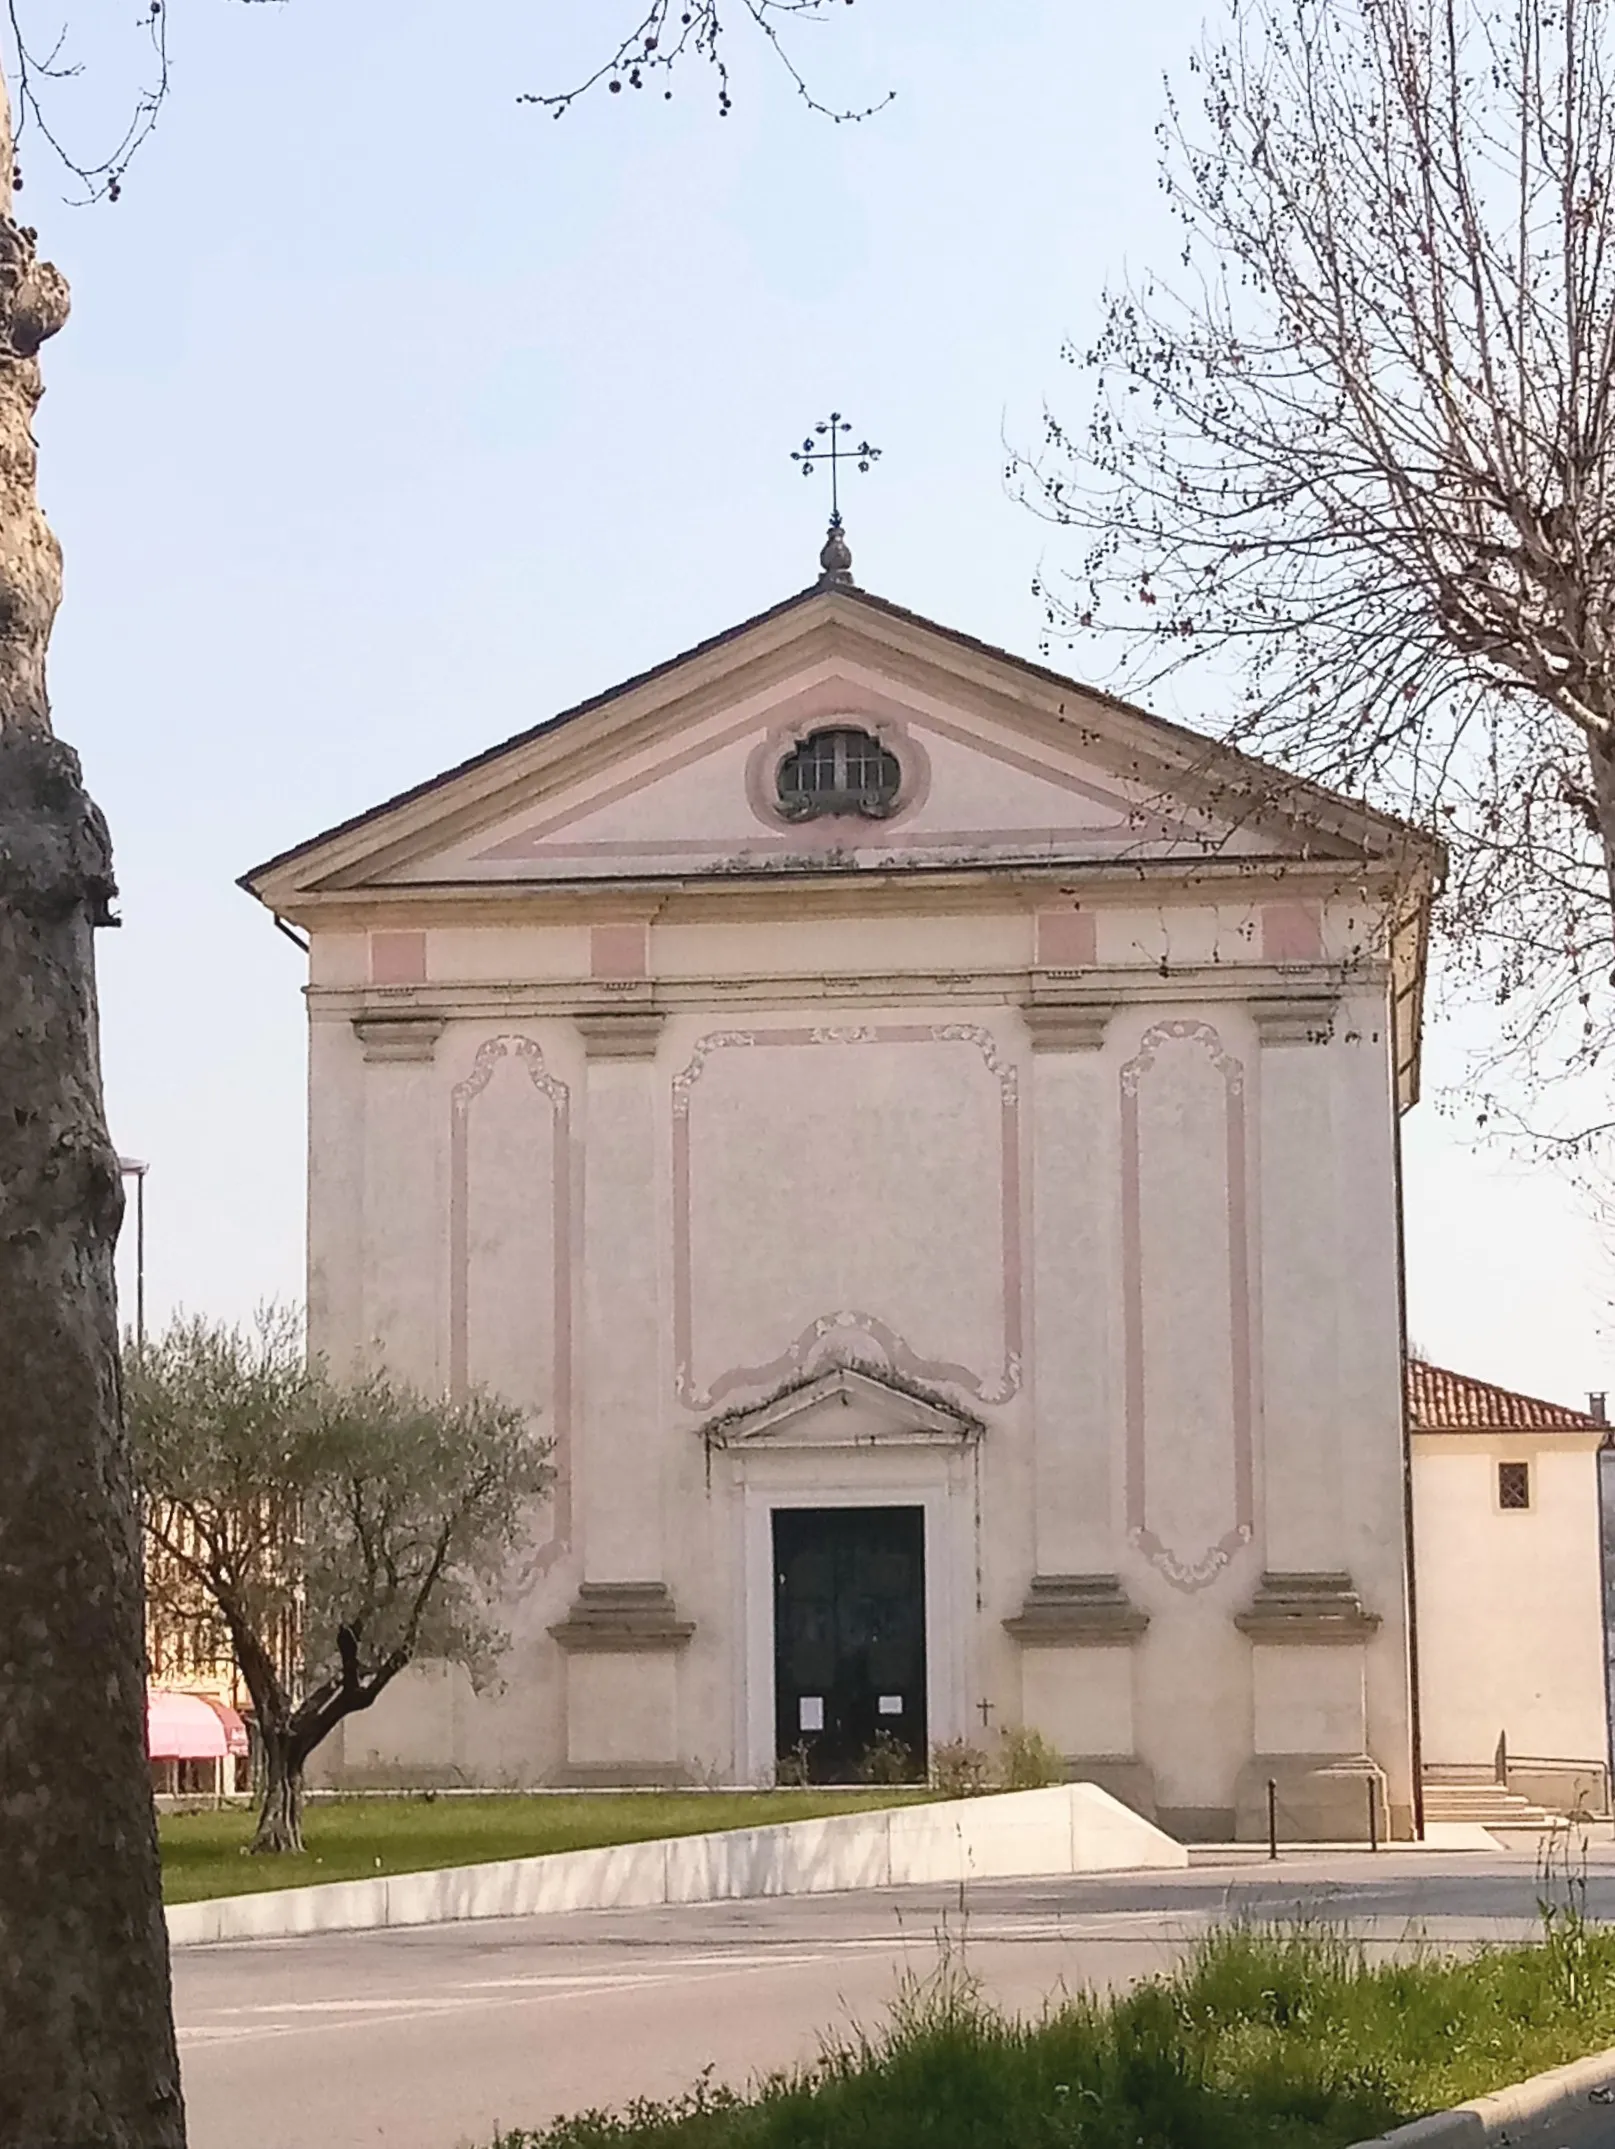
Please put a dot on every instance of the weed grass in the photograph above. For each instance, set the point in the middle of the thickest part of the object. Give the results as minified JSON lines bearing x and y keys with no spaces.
{"x":357,"y":1838}
{"x":1263,"y":2039}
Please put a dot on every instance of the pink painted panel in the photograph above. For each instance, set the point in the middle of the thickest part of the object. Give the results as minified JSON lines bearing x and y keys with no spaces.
{"x":1066,"y":940}
{"x":619,"y":951}
{"x":398,"y":958}
{"x":1208,"y":1396}
{"x":540,"y":1174}
{"x":1292,"y":933}
{"x":851,"y":1332}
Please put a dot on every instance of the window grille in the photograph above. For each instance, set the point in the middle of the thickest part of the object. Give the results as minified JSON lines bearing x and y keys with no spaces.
{"x":1514,"y":1485}
{"x":839,"y":772}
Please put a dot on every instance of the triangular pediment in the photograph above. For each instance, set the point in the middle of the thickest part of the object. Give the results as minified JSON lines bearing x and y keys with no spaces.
{"x":678,"y":773}
{"x":844,"y":1408}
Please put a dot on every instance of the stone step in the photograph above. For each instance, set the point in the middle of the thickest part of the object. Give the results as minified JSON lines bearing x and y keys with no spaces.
{"x":1487,"y":1804}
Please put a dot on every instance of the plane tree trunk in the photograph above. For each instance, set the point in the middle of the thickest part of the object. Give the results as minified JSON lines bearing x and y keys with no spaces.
{"x":87,"y":2054}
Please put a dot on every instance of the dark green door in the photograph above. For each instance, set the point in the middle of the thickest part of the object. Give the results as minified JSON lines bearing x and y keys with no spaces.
{"x":849,"y":1638}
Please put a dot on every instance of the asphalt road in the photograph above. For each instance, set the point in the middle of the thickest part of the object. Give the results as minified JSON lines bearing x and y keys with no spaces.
{"x":1593,"y":2129}
{"x":438,"y":2037}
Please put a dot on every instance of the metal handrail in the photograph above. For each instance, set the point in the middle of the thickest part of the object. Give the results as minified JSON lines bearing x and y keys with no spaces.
{"x":1559,"y":1765}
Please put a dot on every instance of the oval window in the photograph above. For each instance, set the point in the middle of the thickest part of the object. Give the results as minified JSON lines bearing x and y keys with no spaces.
{"x":839,"y":771}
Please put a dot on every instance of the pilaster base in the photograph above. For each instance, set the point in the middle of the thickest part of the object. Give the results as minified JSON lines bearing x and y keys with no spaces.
{"x":1124,"y":1776}
{"x":1321,"y":1798}
{"x":622,"y":1718}
{"x":622,"y":1642}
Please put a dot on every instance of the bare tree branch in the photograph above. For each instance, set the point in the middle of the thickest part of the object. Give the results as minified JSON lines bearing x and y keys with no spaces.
{"x":1362,"y":444}
{"x":670,"y":31}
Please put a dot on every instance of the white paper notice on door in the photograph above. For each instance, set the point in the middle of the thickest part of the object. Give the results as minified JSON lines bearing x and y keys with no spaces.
{"x":891,"y":1704}
{"x":810,"y":1713}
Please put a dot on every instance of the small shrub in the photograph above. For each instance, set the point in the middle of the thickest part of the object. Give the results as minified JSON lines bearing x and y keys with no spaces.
{"x":886,"y":1760}
{"x":960,"y":1770}
{"x":1028,"y":1762}
{"x":791,"y":1769}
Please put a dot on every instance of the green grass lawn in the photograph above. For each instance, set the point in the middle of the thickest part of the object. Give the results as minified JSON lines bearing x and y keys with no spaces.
{"x":357,"y":1838}
{"x":1261,"y":2041}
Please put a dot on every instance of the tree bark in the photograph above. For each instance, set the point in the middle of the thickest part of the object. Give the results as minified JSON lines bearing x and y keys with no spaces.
{"x":1603,"y":772}
{"x":280,"y":1818}
{"x":87,"y":2054}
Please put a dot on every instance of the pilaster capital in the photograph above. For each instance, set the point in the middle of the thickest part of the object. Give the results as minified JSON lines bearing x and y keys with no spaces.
{"x":398,"y":1037}
{"x":1068,"y":1025}
{"x":1295,"y":1018}
{"x":629,"y":1033}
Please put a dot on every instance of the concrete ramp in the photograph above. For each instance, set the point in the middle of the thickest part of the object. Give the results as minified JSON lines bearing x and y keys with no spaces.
{"x":1071,"y":1828}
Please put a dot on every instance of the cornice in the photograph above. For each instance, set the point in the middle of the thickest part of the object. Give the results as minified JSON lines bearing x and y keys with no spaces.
{"x":1012,"y":885}
{"x":1076,"y":1003}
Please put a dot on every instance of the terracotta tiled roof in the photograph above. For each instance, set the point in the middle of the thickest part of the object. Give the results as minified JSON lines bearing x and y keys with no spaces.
{"x":1442,"y":1402}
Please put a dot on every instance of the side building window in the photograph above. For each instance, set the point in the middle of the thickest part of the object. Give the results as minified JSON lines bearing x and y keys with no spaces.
{"x":1514,"y":1485}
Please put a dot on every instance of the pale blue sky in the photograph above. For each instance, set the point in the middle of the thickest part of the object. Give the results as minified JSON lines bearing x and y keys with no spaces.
{"x":393,"y":416}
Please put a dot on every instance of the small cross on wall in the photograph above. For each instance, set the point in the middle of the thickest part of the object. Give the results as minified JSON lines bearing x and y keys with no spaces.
{"x":985,"y":1709}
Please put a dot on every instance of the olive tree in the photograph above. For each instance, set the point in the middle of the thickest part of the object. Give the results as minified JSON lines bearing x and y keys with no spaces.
{"x":337,"y":1530}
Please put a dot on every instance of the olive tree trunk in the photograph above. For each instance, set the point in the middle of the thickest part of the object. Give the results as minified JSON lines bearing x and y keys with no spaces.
{"x":87,"y":2055}
{"x":280,"y":1817}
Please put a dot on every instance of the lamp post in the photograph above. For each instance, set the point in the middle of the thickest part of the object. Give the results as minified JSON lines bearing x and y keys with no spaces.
{"x":133,"y":1168}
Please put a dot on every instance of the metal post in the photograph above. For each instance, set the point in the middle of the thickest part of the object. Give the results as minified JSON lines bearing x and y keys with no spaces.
{"x":1272,"y":1818}
{"x":1373,"y":1814}
{"x":133,"y":1168}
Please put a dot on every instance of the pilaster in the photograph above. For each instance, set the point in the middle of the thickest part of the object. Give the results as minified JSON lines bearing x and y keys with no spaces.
{"x":403,"y":1119}
{"x":618,"y":1451}
{"x":1300,"y":1284}
{"x":1309,"y":1712}
{"x":1071,"y":1279}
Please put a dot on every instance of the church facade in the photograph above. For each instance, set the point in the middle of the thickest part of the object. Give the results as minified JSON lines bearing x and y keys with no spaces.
{"x":920,"y":1136}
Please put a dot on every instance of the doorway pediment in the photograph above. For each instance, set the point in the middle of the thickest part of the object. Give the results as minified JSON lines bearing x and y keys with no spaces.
{"x":844,"y":1408}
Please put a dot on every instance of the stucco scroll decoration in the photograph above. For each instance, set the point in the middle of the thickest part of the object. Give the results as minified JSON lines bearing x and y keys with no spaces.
{"x":850,"y":1335}
{"x":462,"y":1098}
{"x":1188,"y":1567}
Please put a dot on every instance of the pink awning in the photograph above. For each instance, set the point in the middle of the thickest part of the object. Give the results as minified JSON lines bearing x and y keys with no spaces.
{"x":191,"y":1727}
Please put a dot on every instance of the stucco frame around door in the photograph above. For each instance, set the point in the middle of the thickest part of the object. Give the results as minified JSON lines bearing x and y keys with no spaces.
{"x":941,"y":1486}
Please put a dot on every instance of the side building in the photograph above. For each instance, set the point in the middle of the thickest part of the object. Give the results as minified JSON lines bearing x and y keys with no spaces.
{"x":1508,"y":1567}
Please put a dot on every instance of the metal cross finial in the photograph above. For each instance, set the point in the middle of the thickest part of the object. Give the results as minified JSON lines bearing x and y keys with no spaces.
{"x":825,"y":445}
{"x":811,"y":452}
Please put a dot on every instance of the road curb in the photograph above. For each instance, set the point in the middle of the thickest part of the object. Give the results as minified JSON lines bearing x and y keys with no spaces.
{"x":1066,"y":1828}
{"x":1554,"y":2095}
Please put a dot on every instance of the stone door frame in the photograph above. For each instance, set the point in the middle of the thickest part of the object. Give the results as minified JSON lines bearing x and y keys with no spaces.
{"x":930,"y":1480}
